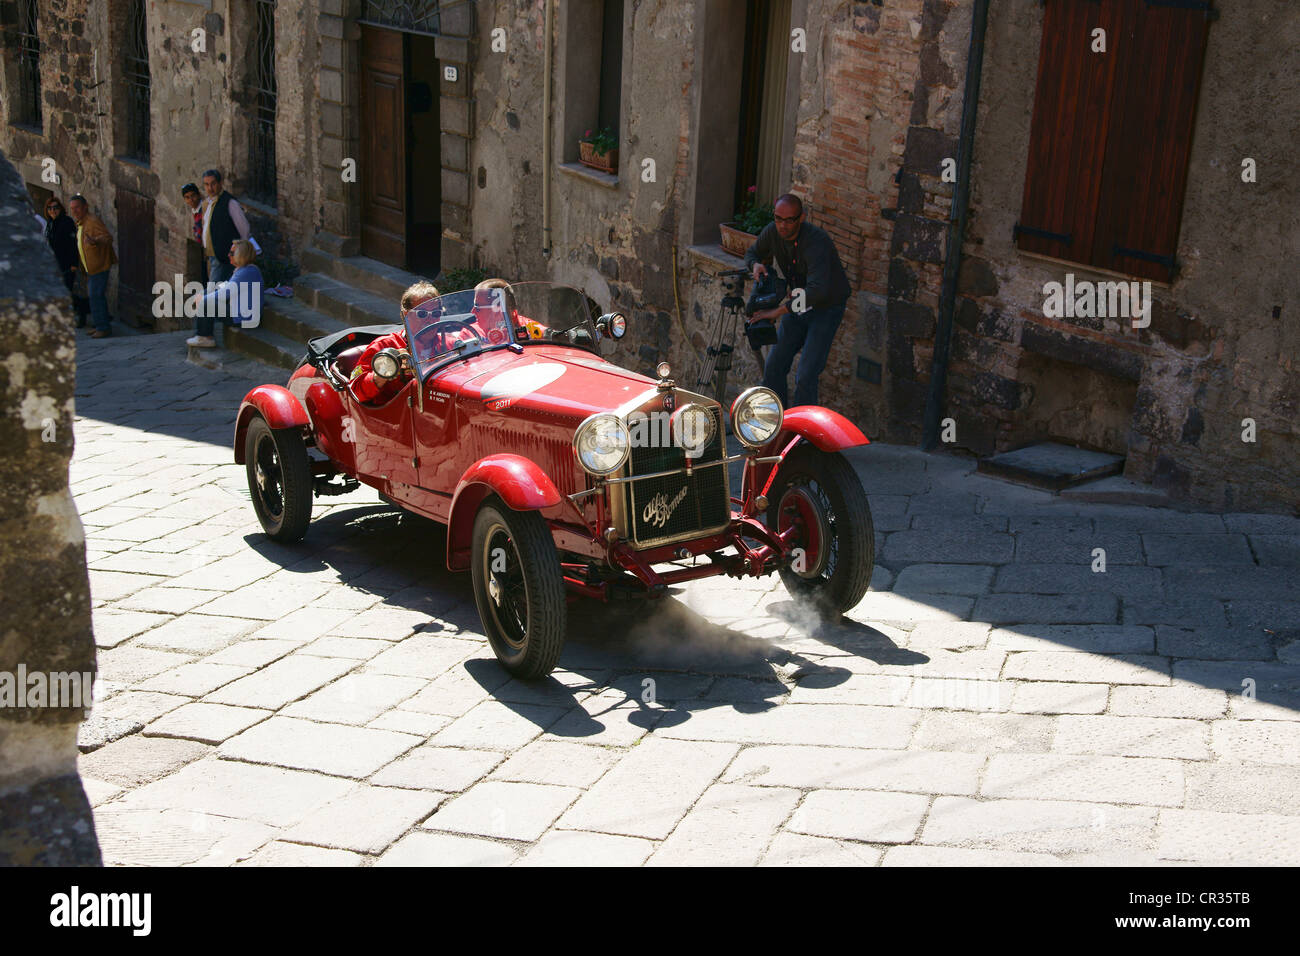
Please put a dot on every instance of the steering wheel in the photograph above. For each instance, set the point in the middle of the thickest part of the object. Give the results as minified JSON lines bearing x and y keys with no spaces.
{"x":434,"y":328}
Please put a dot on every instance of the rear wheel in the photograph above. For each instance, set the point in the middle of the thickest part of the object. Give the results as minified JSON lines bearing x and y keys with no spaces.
{"x":519,"y":589}
{"x":820,"y":493}
{"x":279,"y":479}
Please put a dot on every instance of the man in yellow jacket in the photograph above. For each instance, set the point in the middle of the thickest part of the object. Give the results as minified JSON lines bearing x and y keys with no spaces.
{"x":95,"y":252}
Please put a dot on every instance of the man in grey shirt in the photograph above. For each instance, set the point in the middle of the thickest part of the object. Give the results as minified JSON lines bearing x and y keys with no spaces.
{"x":814,"y":308}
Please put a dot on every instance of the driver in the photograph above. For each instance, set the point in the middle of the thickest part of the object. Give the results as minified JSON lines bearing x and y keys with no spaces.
{"x":365,"y":385}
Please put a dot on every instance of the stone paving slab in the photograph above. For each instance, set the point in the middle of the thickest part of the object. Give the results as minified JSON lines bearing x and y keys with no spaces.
{"x":1150,"y":781}
{"x":1038,"y":826}
{"x":650,"y":789}
{"x":828,"y":768}
{"x":365,"y":820}
{"x":863,"y":815}
{"x":731,"y":825}
{"x":208,"y":723}
{"x":993,"y":700}
{"x":326,"y":748}
{"x":511,"y":811}
{"x":576,"y":848}
{"x":270,"y":795}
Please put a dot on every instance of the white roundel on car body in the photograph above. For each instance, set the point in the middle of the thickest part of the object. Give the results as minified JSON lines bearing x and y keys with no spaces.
{"x":517,"y":382}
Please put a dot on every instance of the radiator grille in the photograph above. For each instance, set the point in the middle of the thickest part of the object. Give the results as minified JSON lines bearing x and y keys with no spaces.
{"x":677,"y":506}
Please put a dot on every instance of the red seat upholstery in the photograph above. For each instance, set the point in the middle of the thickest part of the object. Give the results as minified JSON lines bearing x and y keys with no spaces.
{"x":347,"y":360}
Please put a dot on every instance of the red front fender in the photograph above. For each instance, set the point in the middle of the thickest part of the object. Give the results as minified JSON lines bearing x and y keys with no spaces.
{"x":827,"y":430}
{"x":274,"y":403}
{"x":519,"y":482}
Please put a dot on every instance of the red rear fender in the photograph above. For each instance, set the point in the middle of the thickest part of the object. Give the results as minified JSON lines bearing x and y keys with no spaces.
{"x":274,"y":403}
{"x":335,"y":432}
{"x":516,"y":480}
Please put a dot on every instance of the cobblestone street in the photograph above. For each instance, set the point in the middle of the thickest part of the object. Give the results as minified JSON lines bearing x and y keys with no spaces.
{"x":994,"y":699}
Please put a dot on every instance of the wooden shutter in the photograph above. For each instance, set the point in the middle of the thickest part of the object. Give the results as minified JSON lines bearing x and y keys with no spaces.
{"x":1150,"y":140}
{"x":1112,"y":133}
{"x":1067,"y":140}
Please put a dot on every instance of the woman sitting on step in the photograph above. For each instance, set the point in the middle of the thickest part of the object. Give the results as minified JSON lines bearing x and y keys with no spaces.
{"x":238,"y":299}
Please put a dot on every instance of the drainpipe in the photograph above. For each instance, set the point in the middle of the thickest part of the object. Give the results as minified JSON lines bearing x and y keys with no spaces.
{"x":935,"y":400}
{"x":546,"y":130}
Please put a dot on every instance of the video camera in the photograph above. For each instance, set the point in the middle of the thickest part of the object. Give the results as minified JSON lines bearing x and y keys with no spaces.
{"x":733,"y":281}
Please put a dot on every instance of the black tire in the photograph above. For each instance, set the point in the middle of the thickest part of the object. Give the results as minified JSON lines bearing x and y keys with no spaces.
{"x":520,"y":590}
{"x":279,"y":479}
{"x":838,"y":575}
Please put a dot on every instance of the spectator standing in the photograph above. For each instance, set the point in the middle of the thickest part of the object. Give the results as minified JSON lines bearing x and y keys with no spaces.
{"x":240,"y":297}
{"x":811,"y":264}
{"x":223,"y":222}
{"x":95,"y":252}
{"x":198,"y":207}
{"x":61,"y":234}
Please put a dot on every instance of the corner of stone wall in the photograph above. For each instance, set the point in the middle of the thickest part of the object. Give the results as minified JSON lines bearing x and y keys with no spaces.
{"x":45,"y":625}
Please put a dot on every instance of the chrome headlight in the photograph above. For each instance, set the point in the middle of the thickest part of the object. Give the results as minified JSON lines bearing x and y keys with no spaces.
{"x":692,"y":428}
{"x":756,"y":416}
{"x":386,"y":364}
{"x":601,"y":443}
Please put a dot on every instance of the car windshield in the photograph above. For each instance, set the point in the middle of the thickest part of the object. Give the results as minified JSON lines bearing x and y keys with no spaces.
{"x":460,"y":324}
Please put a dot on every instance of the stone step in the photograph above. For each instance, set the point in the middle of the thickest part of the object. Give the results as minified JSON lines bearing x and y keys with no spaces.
{"x":206,"y":358}
{"x":1118,"y":490}
{"x":265,"y":346}
{"x":296,"y":320}
{"x":1051,"y":465}
{"x":281,"y":338}
{"x":362,"y":273}
{"x":346,"y":303}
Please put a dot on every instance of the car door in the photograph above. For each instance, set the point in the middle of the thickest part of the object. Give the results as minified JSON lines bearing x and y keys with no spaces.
{"x":385,"y":440}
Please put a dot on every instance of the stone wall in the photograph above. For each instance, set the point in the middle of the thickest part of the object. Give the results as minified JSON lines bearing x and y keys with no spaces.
{"x":44,"y":587}
{"x":200,"y":117}
{"x":1220,"y":347}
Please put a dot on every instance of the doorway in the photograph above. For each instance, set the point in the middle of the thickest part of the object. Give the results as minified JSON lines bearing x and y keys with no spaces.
{"x":401,"y":163}
{"x":135,"y":270}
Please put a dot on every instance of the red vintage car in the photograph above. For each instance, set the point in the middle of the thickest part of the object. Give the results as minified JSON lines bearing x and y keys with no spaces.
{"x":558,"y":474}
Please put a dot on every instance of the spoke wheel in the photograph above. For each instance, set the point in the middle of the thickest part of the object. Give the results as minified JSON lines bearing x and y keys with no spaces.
{"x":519,"y":588}
{"x":279,"y":479}
{"x":820,"y":495}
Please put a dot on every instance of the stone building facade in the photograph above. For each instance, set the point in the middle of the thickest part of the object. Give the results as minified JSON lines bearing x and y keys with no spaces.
{"x":191,"y":96}
{"x":1202,"y":401}
{"x":423,"y":134}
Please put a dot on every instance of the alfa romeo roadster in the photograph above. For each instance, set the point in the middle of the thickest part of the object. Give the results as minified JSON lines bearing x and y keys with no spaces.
{"x":558,"y":474}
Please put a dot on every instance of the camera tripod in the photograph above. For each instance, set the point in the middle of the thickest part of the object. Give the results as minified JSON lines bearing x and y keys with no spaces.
{"x":722,"y":336}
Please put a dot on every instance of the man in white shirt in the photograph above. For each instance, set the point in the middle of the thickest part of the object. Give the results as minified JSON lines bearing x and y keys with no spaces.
{"x":223,"y":222}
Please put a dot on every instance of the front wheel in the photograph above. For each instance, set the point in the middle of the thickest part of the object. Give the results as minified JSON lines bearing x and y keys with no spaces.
{"x":820,"y":493}
{"x":519,"y":589}
{"x":279,"y":479}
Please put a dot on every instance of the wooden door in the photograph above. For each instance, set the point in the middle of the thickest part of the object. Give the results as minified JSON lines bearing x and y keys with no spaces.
{"x":134,"y":244}
{"x":382,"y":170}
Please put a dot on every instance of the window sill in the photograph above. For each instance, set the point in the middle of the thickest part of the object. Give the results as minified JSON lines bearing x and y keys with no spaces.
{"x":1083,"y":270}
{"x":579,"y":171}
{"x":714,"y":259}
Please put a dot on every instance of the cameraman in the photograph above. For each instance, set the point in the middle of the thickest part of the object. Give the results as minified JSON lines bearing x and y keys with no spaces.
{"x":809,"y":262}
